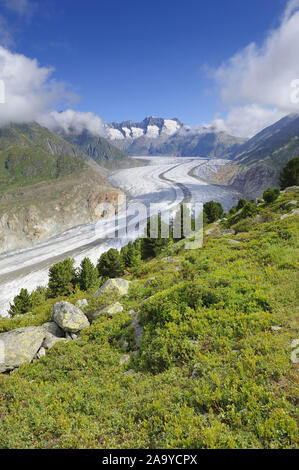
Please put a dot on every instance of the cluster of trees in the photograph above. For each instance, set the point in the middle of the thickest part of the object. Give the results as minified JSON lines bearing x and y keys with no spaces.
{"x":271,"y":194}
{"x":24,"y":302}
{"x":290,"y":174}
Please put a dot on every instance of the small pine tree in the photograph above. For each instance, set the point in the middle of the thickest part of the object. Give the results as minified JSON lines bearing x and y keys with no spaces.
{"x":62,"y":278}
{"x":88,"y":275}
{"x":111,"y":264}
{"x":133,"y":257}
{"x":270,"y":195}
{"x":241,"y":204}
{"x":21,"y":303}
{"x":248,"y":210}
{"x":124,"y":255}
{"x":213,"y":211}
{"x":152,"y":246}
{"x":290,"y":174}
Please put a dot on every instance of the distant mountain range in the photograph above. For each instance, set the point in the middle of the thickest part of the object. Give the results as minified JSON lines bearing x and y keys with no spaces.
{"x":158,"y":136}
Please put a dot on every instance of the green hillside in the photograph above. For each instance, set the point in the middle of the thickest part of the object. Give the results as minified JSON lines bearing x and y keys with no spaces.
{"x":214,"y":369}
{"x":21,"y":166}
{"x":30,"y":153}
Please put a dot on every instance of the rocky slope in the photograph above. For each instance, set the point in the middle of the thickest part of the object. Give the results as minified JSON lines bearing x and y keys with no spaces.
{"x":259,"y":161}
{"x":100,"y":150}
{"x":158,"y":136}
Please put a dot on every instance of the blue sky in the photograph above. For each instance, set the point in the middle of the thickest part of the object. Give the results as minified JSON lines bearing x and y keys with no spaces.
{"x":131,"y":59}
{"x":168,"y":58}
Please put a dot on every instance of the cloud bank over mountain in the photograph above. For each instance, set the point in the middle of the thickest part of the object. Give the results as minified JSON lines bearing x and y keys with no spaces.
{"x":255,"y":84}
{"x":73,"y":121}
{"x":31,"y":94}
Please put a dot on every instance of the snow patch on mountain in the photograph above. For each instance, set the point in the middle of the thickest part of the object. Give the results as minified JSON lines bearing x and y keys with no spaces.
{"x":136,"y":132}
{"x":152,"y":132}
{"x":170,"y":127}
{"x":114,"y":134}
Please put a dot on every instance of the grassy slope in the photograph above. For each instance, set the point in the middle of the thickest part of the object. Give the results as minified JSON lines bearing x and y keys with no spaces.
{"x":30,"y":153}
{"x":21,"y":166}
{"x":216,"y":313}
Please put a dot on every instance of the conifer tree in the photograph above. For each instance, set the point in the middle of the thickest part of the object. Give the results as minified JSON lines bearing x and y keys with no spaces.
{"x":290,"y":174}
{"x":213,"y":211}
{"x":111,"y":264}
{"x":133,"y":256}
{"x":88,"y":276}
{"x":21,"y":303}
{"x":62,"y":278}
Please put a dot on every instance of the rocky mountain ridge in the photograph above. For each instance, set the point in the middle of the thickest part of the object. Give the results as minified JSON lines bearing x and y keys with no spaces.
{"x":258,"y":162}
{"x":159,"y":136}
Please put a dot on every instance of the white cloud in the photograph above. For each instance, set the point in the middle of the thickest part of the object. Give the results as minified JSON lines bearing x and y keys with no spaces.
{"x":246,"y":121}
{"x":32,"y":95}
{"x":30,"y":91}
{"x":258,"y":78}
{"x":73,"y":121}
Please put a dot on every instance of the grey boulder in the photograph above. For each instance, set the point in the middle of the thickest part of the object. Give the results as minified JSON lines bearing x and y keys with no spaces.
{"x":81,"y":303}
{"x":20,"y":346}
{"x":117,"y":286}
{"x":70,"y":318}
{"x":111,"y":310}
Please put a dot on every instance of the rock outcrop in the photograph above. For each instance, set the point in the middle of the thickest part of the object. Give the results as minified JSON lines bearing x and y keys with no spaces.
{"x":23,"y":345}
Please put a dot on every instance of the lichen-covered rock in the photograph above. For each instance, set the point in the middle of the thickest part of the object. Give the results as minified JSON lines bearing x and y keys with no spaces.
{"x":291,"y":189}
{"x":125,"y":358}
{"x":41,"y":353}
{"x":70,"y":318}
{"x":117,"y":286}
{"x":81,"y":303}
{"x":20,"y":346}
{"x":228,"y":232}
{"x":291,"y":204}
{"x":294,"y":212}
{"x":53,"y":329}
{"x":50,"y":340}
{"x":233,"y":242}
{"x":111,"y":310}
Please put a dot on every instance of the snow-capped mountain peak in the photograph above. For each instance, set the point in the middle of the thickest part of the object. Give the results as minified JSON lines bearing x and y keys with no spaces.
{"x":151,"y":127}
